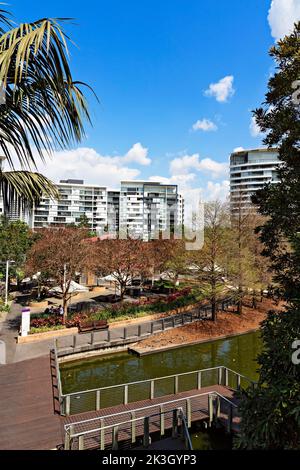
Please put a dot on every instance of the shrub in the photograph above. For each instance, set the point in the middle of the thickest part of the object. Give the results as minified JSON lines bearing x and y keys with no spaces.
{"x":44,"y":329}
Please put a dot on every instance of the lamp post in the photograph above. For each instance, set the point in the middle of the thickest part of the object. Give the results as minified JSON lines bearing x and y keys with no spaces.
{"x":7,"y":263}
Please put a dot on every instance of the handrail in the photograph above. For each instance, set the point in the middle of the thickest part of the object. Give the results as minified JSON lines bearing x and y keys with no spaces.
{"x":213,"y":392}
{"x":109,"y":426}
{"x":144,"y":381}
{"x":241,"y":375}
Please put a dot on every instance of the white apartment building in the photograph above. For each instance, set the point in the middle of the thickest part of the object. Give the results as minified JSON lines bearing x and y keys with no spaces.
{"x":250,"y":170}
{"x":149,"y":208}
{"x":140,"y":208}
{"x":76,"y":199}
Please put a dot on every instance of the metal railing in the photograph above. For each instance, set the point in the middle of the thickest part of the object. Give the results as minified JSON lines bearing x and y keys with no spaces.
{"x":117,"y":336}
{"x":101,"y":433}
{"x":73,"y":344}
{"x":123,"y":394}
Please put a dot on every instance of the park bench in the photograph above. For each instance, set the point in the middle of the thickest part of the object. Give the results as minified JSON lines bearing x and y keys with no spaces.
{"x":93,"y":325}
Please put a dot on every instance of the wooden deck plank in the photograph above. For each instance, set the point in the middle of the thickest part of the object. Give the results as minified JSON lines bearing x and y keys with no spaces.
{"x":27,"y":414}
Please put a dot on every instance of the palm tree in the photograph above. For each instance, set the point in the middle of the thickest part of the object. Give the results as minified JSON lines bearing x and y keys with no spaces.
{"x":44,"y":108}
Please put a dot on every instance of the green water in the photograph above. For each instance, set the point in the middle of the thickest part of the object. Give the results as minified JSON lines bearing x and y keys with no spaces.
{"x":237,"y":353}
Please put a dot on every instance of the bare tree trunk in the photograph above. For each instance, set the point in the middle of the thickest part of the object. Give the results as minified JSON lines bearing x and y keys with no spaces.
{"x":65,"y":307}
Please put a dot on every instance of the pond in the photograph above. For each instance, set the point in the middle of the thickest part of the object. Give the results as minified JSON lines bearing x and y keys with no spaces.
{"x":238,"y":353}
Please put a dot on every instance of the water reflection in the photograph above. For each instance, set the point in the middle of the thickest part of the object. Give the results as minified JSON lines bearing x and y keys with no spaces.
{"x":237,"y":353}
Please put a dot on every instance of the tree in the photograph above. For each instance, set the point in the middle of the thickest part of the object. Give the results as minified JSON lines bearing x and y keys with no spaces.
{"x":15,"y":240}
{"x":244,"y":258}
{"x":123,"y":259}
{"x":60,"y":254}
{"x":209,"y":261}
{"x":173,"y":258}
{"x":44,"y":107}
{"x":271,"y":413}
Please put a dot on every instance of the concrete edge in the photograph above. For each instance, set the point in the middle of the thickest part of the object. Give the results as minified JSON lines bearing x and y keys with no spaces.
{"x":140,"y":352}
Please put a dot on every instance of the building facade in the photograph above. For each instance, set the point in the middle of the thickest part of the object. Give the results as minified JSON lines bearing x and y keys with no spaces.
{"x":250,"y":170}
{"x":148,"y":209}
{"x":75,"y":200}
{"x":140,"y":209}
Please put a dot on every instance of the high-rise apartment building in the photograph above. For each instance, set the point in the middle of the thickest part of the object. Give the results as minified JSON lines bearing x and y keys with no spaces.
{"x":149,"y":208}
{"x":75,"y":199}
{"x":250,"y":170}
{"x":140,"y":209}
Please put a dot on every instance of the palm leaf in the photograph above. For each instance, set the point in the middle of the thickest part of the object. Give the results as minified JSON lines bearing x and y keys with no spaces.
{"x":45,"y":109}
{"x":22,"y":189}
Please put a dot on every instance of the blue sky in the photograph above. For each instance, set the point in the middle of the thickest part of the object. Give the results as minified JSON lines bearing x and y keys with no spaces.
{"x":151,"y":63}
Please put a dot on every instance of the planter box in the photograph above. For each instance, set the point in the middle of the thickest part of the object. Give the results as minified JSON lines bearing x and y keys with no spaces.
{"x":47,"y":335}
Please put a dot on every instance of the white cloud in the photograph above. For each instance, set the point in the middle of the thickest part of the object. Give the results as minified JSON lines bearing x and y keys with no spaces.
{"x":282,"y":16}
{"x":254,"y":128}
{"x":205,"y":125}
{"x":238,"y":149}
{"x":222,"y":90}
{"x":137,"y":154}
{"x":185,"y":164}
{"x":214,"y":191}
{"x":87,"y":164}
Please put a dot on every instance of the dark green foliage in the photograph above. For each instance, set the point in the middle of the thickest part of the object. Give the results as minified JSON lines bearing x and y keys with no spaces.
{"x":15,"y":240}
{"x":271,"y":413}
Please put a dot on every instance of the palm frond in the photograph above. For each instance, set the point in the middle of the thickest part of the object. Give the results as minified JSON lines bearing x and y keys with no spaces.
{"x":20,"y":189}
{"x":44,"y":106}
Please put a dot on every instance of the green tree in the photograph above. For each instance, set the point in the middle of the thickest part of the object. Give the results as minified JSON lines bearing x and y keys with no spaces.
{"x":271,"y":413}
{"x":15,"y":240}
{"x":44,"y":107}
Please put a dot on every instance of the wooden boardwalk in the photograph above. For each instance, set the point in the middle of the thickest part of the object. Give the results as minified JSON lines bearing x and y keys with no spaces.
{"x":88,"y":424}
{"x":28,"y":418}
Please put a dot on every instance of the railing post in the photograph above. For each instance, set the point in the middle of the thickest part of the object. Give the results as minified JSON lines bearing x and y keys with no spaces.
{"x":175,"y":424}
{"x":218,"y":407}
{"x":108,"y":336}
{"x":152,"y":327}
{"x":210,"y":409}
{"x":92,"y":338}
{"x":68,"y":404}
{"x":68,"y":436}
{"x":199,"y":380}
{"x":188,"y":412}
{"x":74,"y":341}
{"x":139,"y":331}
{"x":220,"y":370}
{"x":182,"y":318}
{"x":126,"y":395}
{"x":162,"y":421}
{"x":238,"y":382}
{"x":125,"y":333}
{"x":163,"y":324}
{"x":133,"y":428}
{"x":229,"y":419}
{"x":80,"y":442}
{"x":146,"y":438}
{"x":173,"y":322}
{"x":226,"y":377}
{"x":98,"y":400}
{"x":175,"y":384}
{"x":102,"y":435}
{"x":152,"y":390}
{"x":115,"y":433}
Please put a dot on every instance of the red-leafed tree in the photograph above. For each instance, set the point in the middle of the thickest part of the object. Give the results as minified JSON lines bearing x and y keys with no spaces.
{"x":123,"y":260}
{"x":60,"y":253}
